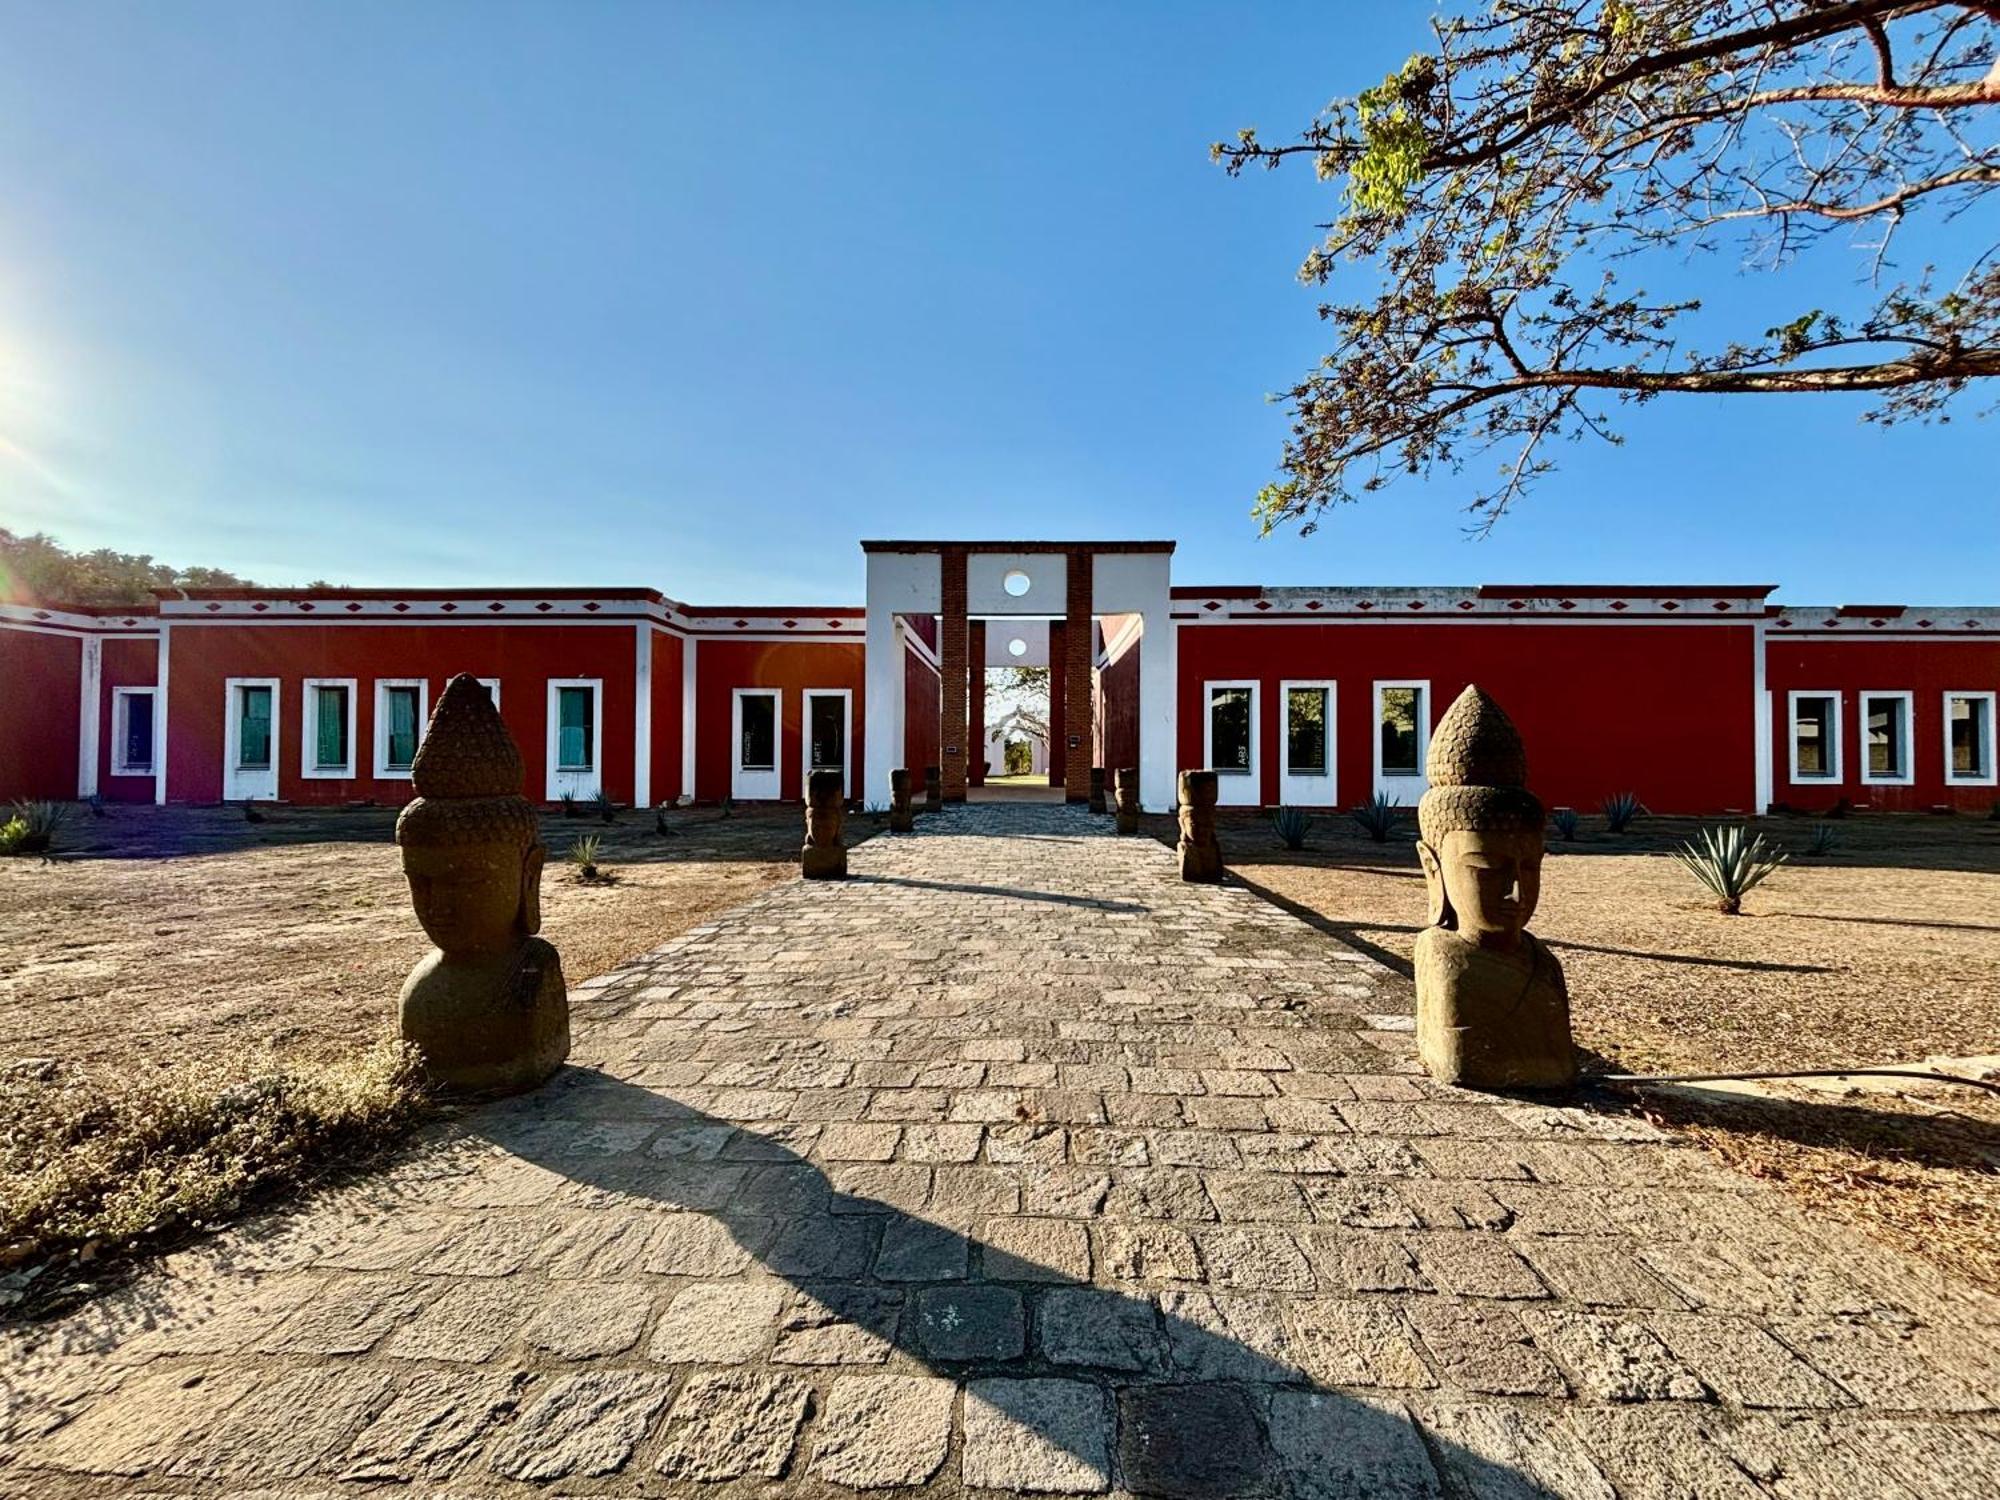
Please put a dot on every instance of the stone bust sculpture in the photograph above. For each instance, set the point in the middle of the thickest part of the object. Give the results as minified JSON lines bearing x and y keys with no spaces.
{"x":489,"y":1009}
{"x":1492,"y":1008}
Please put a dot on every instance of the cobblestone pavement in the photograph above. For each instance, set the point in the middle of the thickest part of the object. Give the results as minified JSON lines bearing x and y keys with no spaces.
{"x":1013,"y":1164}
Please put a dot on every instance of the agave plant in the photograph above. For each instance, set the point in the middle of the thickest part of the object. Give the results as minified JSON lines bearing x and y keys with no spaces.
{"x":583,"y":854}
{"x":1821,"y":841}
{"x":1379,"y":817}
{"x":606,"y":808}
{"x":1291,"y":823}
{"x":1730,"y":864}
{"x":1620,"y":808}
{"x":1565,"y":820}
{"x":32,"y":827}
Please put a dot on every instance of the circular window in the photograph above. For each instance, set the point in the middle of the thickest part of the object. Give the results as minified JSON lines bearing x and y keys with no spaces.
{"x":1017,"y":647}
{"x":1016,"y":583}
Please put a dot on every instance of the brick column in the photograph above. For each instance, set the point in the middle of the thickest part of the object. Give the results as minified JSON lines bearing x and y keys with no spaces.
{"x":975,"y":733}
{"x":1079,"y":647}
{"x":1058,"y":696}
{"x":952,"y":647}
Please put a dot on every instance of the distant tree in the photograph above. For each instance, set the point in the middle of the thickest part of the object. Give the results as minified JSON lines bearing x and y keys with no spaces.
{"x":1491,"y":182}
{"x":38,"y":567}
{"x":1025,"y":680}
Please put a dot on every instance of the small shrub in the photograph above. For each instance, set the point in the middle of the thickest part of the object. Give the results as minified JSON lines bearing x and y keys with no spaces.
{"x":1730,"y":864}
{"x":1378,"y":817}
{"x":1292,"y":824}
{"x":570,"y":807}
{"x":1565,"y":821}
{"x":583,"y":854}
{"x":12,"y":832}
{"x":660,"y":824}
{"x":32,"y":828}
{"x":96,"y":801}
{"x":1620,"y":808}
{"x":728,"y":807}
{"x":250,"y":813}
{"x":606,"y":808}
{"x":1821,"y":840}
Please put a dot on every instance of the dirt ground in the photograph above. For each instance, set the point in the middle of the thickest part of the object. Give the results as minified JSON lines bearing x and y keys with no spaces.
{"x":1885,"y":950}
{"x":160,"y":931}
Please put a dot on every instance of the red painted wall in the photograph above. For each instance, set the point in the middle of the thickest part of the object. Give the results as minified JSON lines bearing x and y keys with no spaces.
{"x":923,"y":701}
{"x":1666,"y":711}
{"x":669,"y":651}
{"x":722,"y":666}
{"x":1927,"y":669}
{"x":41,"y":678}
{"x":200,"y":659}
{"x":125,"y":663}
{"x":1118,"y":714}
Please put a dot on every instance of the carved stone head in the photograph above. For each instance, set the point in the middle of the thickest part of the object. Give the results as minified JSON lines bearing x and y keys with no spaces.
{"x":472,"y":852}
{"x":1480,"y":828}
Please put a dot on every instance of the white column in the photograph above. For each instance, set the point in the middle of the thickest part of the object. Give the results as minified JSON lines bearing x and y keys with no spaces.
{"x":1762,"y":718}
{"x":882,"y":714}
{"x":642,"y":718}
{"x":89,"y":685}
{"x":1159,"y":684}
{"x":688,"y":643}
{"x":161,"y":713}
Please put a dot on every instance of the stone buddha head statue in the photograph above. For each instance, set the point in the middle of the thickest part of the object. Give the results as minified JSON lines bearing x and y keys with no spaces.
{"x":1480,"y":828}
{"x":472,"y":850}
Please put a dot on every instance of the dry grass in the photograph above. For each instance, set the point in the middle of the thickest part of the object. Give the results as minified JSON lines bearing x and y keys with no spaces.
{"x":197,"y":1011}
{"x":1886,"y":950}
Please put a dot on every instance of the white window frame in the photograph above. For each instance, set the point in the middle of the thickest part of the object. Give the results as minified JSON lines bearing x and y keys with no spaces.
{"x":1307,"y":789}
{"x":1401,"y":786}
{"x":1234,"y":788}
{"x":245,"y":783}
{"x":383,"y":770}
{"x":1991,"y":775}
{"x":588,"y":781}
{"x":492,"y":686}
{"x":846,"y":696}
{"x":121,"y":697}
{"x":761,"y":784}
{"x":1836,"y":734}
{"x":309,"y":737}
{"x":1908,"y":775}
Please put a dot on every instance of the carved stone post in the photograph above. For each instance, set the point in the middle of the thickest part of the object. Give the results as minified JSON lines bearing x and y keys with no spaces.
{"x":1201,"y":855}
{"x":933,"y":789}
{"x":1097,"y":789}
{"x":824,"y":856}
{"x":902,"y":817}
{"x":1128,"y":799}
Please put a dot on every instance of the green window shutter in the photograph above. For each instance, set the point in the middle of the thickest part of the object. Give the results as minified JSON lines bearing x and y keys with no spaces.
{"x":254,"y":727}
{"x":331,"y":715}
{"x":573,"y":729}
{"x":402,"y":727}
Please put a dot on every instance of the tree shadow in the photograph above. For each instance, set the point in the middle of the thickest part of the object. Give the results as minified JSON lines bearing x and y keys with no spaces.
{"x":1191,"y":1393}
{"x":1750,"y":965}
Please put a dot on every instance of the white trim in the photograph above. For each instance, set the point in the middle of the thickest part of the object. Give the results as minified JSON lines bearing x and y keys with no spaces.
{"x":160,"y":723}
{"x":247,"y":783}
{"x":1233,"y":788}
{"x":687,"y":718}
{"x":119,"y":714}
{"x":642,"y":716}
{"x":90,"y":685}
{"x":1310,"y":789}
{"x":1618,"y":622}
{"x":846,"y":696}
{"x":1760,"y":720}
{"x":1834,"y":737}
{"x":587,"y":781}
{"x":1991,"y":776}
{"x":756,"y":784}
{"x":383,"y":770}
{"x":492,"y":686}
{"x":1908,"y":774}
{"x":1401,"y":786}
{"x":309,"y":768}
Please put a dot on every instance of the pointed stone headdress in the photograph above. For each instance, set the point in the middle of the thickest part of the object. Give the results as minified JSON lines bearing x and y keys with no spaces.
{"x":467,"y":775}
{"x":1478,"y":771}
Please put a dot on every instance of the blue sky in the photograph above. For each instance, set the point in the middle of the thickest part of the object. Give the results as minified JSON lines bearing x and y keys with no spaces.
{"x":696,"y":296}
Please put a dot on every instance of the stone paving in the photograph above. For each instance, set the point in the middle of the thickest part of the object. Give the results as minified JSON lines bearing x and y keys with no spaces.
{"x":1012,"y":1164}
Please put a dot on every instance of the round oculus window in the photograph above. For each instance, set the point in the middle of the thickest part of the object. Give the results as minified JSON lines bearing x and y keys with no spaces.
{"x":1016,"y":583}
{"x":1017,"y":647}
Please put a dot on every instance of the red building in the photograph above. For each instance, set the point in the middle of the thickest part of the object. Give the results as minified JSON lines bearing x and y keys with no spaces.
{"x":1700,"y":698}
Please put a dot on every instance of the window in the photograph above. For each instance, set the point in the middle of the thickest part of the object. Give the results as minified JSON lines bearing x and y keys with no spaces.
{"x":1229,"y":729}
{"x":759,"y":748}
{"x":576,"y":739}
{"x":328,"y":743}
{"x":1305,"y":730}
{"x":1403,"y":730}
{"x":399,"y":724}
{"x":1968,"y":739}
{"x":1885,"y":721}
{"x":827,"y":732}
{"x":1815,"y":736}
{"x":253,"y":727}
{"x":131,"y":731}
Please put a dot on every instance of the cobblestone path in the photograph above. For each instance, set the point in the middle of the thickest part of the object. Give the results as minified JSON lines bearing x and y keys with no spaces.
{"x":1013,"y":1164}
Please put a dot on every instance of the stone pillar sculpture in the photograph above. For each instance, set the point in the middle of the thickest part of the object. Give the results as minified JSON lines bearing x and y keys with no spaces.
{"x":824,"y":856}
{"x":933,"y":789}
{"x":1127,"y":783}
{"x":1492,"y":1009}
{"x":488,"y":1010}
{"x":1201,"y":854}
{"x":902,"y":817}
{"x":1097,"y":789}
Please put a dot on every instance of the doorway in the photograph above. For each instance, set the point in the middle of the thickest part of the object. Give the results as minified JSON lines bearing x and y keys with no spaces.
{"x":753,"y":772}
{"x":829,"y":725}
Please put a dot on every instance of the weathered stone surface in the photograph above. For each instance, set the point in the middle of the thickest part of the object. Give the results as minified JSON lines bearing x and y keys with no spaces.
{"x":717,"y":1322}
{"x":1613,"y":1359}
{"x":432,"y":1427}
{"x":1037,"y":1435}
{"x":1743,"y":1363}
{"x":1483,"y":1349}
{"x":1192,"y":1441}
{"x":835,"y":1324}
{"x":1103,"y":1329}
{"x":286,"y":1427}
{"x":145,"y":1425}
{"x":467,"y":1324}
{"x":729,"y":1426}
{"x":1034,"y":1250}
{"x":581,"y":1425}
{"x":589,"y":1320}
{"x":968,"y":1322}
{"x":1338,"y":1447}
{"x":915,"y":1251}
{"x":1357,"y":1343}
{"x":881,"y":1430}
{"x":1512,"y":1452}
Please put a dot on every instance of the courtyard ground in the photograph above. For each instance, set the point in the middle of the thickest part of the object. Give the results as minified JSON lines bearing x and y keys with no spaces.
{"x":1886,"y":950}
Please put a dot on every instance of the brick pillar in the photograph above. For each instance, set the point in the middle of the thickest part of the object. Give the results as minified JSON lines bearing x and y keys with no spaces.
{"x":952,"y":647}
{"x":1079,"y":647}
{"x":1058,"y":692}
{"x":975,"y":733}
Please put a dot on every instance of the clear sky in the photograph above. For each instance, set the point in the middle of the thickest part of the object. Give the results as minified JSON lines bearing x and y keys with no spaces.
{"x":695,"y":296}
